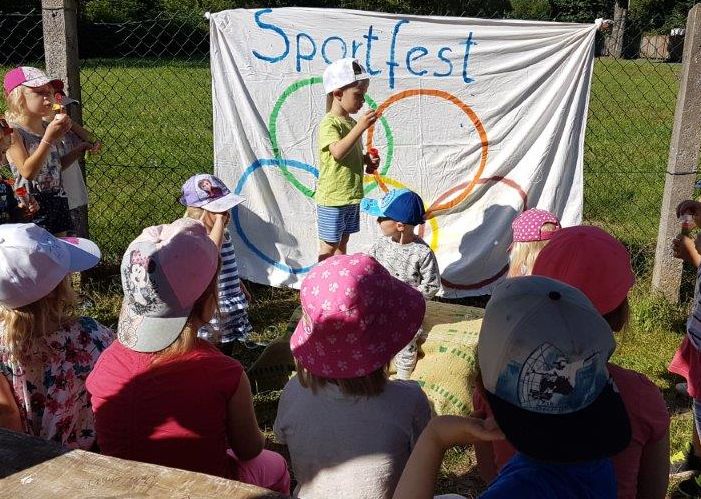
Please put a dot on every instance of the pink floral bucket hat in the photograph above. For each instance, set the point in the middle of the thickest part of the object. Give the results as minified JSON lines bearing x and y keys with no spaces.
{"x":528,"y":226}
{"x":356,"y":317}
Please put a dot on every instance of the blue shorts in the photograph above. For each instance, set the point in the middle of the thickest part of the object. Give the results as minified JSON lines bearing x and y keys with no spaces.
{"x":334,"y":221}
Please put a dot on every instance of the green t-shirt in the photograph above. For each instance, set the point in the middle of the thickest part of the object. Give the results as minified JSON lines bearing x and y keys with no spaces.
{"x":340,"y":182}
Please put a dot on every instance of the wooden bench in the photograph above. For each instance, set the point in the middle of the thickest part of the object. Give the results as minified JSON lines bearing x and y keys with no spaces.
{"x":35,"y":468}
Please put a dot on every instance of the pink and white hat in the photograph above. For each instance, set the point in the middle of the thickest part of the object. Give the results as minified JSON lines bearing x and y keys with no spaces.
{"x":29,"y":77}
{"x":528,"y":226}
{"x":33,"y":262}
{"x":357,"y":316}
{"x":164,"y":272}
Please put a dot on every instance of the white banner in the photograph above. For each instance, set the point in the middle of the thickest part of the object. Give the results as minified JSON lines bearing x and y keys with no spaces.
{"x":483,"y":118}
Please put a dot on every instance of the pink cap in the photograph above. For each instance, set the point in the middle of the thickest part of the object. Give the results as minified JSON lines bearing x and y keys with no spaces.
{"x":29,"y":77}
{"x":164,"y":272}
{"x":357,"y":316}
{"x":527,"y":227}
{"x":591,"y":260}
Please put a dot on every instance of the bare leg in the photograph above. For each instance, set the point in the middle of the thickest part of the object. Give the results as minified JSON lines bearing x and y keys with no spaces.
{"x":342,"y":245}
{"x":327,"y":250}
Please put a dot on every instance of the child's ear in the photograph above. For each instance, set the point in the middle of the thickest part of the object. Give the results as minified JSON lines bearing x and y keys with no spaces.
{"x":400,"y":226}
{"x":337,"y":94}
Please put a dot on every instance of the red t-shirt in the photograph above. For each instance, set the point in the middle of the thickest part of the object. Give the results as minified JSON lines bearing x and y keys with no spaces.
{"x":649,"y":420}
{"x":173,"y":414}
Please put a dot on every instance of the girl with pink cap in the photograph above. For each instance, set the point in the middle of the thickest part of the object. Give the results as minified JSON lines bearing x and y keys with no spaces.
{"x":348,"y":428}
{"x":532,"y":230}
{"x":37,"y":155}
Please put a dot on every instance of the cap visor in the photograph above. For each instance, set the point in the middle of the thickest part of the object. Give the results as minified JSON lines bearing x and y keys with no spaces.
{"x":600,"y":430}
{"x":67,"y":101}
{"x":224,"y":203}
{"x":84,"y":253}
{"x":156,"y":333}
{"x":371,"y":207}
{"x":40,"y":82}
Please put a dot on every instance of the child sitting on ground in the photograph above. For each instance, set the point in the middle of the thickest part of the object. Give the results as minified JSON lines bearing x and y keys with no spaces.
{"x":532,"y":230}
{"x":542,"y":352}
{"x":348,"y":428}
{"x":597,"y":264}
{"x":339,"y":189}
{"x":204,"y":195}
{"x":405,"y":255}
{"x":46,"y":352}
{"x":160,"y":394}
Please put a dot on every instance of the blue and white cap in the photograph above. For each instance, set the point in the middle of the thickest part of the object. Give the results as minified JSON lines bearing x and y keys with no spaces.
{"x":543,"y":354}
{"x":400,"y":205}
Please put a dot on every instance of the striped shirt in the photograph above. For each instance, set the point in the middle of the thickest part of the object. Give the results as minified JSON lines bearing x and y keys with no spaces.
{"x":231,"y":297}
{"x":232,"y":320}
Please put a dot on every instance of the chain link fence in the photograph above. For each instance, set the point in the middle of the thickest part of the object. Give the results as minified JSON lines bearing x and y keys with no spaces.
{"x":146,"y":92}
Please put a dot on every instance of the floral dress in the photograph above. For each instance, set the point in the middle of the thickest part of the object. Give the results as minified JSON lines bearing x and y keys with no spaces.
{"x":51,"y":394}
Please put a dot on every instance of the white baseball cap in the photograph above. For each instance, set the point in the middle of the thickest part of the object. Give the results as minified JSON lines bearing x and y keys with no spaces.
{"x":343,"y":72}
{"x":33,"y":262}
{"x":164,"y":272}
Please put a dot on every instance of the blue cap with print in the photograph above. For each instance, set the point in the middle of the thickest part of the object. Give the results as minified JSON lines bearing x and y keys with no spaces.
{"x":543,"y":355}
{"x":400,"y":205}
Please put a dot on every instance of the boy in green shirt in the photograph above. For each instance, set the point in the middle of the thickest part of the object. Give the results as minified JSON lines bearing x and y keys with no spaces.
{"x":341,"y":158}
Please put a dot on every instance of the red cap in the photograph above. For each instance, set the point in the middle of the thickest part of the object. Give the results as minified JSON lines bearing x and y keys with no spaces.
{"x":591,"y":260}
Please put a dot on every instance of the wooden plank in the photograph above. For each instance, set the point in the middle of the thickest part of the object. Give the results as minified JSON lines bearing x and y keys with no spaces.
{"x":34,"y":468}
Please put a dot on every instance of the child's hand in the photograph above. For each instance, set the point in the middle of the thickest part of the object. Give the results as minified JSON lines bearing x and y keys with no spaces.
{"x":371,"y":163}
{"x":690,"y":207}
{"x":95,"y":147}
{"x":684,"y":247}
{"x":367,"y":120}
{"x":57,"y":128}
{"x":28,"y":211}
{"x":448,"y":431}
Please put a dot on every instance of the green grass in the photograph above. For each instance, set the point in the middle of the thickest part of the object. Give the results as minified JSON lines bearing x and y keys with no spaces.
{"x":155,"y":119}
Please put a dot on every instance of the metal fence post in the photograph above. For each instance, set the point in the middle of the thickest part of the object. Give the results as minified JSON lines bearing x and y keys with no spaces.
{"x":683,"y":159}
{"x":60,"y":26}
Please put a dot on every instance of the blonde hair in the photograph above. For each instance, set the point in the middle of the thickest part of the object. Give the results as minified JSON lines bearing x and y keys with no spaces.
{"x":22,"y":326}
{"x":193,"y":212}
{"x":523,"y":254}
{"x":364,"y":386}
{"x":16,"y":104}
{"x":188,"y":336}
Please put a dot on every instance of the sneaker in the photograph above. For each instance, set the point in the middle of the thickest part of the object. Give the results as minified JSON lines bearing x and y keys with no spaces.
{"x":681,"y":389}
{"x":690,"y":487}
{"x":684,"y":463}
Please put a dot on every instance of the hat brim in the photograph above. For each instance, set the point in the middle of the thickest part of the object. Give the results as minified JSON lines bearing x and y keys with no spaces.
{"x":40,"y":82}
{"x":224,"y":203}
{"x":84,"y":253}
{"x":371,"y":207}
{"x":66,"y":101}
{"x":149,"y":334}
{"x":602,"y":429}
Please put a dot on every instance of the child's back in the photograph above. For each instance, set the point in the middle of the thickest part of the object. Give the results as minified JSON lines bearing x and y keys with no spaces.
{"x":349,"y":430}
{"x":346,"y":446}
